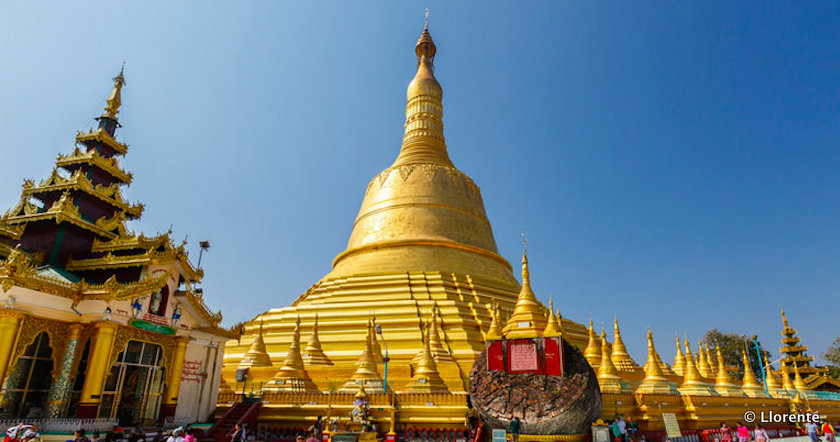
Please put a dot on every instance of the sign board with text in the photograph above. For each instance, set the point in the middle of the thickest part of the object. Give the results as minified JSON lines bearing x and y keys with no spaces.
{"x":672,"y":426}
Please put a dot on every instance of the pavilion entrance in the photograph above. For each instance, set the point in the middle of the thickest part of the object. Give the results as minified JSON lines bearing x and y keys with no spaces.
{"x":133,"y":389}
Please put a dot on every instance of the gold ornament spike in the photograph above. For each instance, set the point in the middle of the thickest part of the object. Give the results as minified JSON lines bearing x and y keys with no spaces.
{"x":703,"y":365}
{"x":592,"y":353}
{"x":528,"y":319}
{"x":787,"y":384}
{"x":693,"y":383}
{"x":552,"y":328}
{"x":750,"y":384}
{"x":679,"y":360}
{"x":723,"y":382}
{"x":313,"y":354}
{"x":771,"y":382}
{"x":494,"y":332}
{"x":292,"y":376}
{"x":608,"y":376}
{"x":426,"y":378}
{"x":709,"y":360}
{"x":366,"y":372}
{"x":619,"y":355}
{"x":114,"y":100}
{"x":798,"y":383}
{"x":654,"y":381}
{"x":256,"y":356}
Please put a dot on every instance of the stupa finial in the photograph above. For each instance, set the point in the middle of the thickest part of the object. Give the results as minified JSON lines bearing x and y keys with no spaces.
{"x":114,"y":100}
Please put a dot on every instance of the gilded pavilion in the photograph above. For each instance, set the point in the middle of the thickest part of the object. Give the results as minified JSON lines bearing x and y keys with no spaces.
{"x":421,"y":282}
{"x":96,"y":320}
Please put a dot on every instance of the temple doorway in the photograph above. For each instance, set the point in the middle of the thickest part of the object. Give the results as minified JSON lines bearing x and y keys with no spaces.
{"x":133,"y":389}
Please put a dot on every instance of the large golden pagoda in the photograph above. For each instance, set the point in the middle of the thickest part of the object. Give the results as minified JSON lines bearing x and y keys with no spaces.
{"x":421,"y":254}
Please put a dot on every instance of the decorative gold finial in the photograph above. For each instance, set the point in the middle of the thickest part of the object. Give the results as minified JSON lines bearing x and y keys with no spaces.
{"x":114,"y":100}
{"x":654,"y":381}
{"x":679,"y":359}
{"x":619,"y":355}
{"x":552,"y":327}
{"x":771,"y":382}
{"x":750,"y":384}
{"x":528,"y":319}
{"x":292,"y":375}
{"x":313,"y":354}
{"x":426,"y":27}
{"x":592,"y":353}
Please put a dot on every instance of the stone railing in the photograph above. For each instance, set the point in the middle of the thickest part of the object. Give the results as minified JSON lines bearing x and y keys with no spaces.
{"x":62,"y":425}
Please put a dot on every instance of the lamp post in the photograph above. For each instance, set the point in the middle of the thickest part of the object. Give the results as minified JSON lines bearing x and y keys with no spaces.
{"x":763,"y":369}
{"x":384,"y":359}
{"x":204,"y":245}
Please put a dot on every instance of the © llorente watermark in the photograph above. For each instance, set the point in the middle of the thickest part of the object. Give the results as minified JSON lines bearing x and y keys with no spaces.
{"x":771,"y":417}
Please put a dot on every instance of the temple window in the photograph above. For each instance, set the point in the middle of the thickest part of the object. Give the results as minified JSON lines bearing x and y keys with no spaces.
{"x":29,"y":383}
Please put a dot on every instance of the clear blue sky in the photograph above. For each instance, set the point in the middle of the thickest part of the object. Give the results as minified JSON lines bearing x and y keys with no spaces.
{"x":673,"y":162}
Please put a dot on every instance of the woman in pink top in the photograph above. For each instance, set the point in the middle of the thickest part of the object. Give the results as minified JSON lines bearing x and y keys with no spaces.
{"x":761,"y":434}
{"x":743,"y":433}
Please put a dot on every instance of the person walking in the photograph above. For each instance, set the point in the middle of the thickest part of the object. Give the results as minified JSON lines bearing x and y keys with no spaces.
{"x":725,"y":433}
{"x":480,"y":432}
{"x":813,"y":431}
{"x":828,"y":431}
{"x":79,"y":436}
{"x":761,"y":434}
{"x":622,"y":428}
{"x":743,"y":432}
{"x":237,"y":434}
{"x":616,"y":433}
{"x":515,"y":425}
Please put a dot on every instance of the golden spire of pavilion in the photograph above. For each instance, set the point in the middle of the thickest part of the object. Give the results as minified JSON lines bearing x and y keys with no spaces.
{"x":426,"y":378}
{"x":703,"y":365}
{"x":750,"y":384}
{"x":679,"y":360}
{"x":654,"y":381}
{"x":366,"y":371}
{"x":313,"y":354}
{"x":494,"y":332}
{"x":693,"y":383}
{"x":552,"y":328}
{"x":292,"y":376}
{"x":723,"y":382}
{"x":608,"y":377}
{"x":528,"y":319}
{"x":619,"y":355}
{"x":257,"y":356}
{"x":114,"y":100}
{"x":592,"y":353}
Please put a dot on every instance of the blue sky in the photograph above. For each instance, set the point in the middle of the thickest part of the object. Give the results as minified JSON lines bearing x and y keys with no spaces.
{"x":675,"y":163}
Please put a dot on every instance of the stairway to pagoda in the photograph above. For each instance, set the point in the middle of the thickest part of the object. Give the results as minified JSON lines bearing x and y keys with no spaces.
{"x":240,"y":413}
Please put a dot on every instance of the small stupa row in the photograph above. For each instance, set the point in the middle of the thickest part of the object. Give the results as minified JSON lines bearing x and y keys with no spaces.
{"x":293,"y":376}
{"x":700,"y":376}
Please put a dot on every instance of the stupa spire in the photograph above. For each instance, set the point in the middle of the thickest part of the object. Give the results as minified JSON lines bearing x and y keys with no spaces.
{"x":552,"y":328}
{"x":619,"y":355}
{"x":750,"y":384}
{"x":423,"y":142}
{"x":709,"y":360}
{"x":703,"y":361}
{"x":654,"y":381}
{"x":723,"y":382}
{"x":693,"y":383}
{"x":313,"y":354}
{"x":679,"y":360}
{"x":528,"y":319}
{"x":798,"y":383}
{"x":292,"y":376}
{"x":787,"y":384}
{"x":494,"y":332}
{"x":592,"y":353}
{"x":366,"y":372}
{"x":608,"y":377}
{"x":376,"y":350}
{"x":257,"y":356}
{"x":426,"y":377}
{"x":772,"y":383}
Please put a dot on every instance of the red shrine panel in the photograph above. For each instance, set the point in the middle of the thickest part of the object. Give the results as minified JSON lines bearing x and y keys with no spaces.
{"x":554,"y":356}
{"x":495,"y":356}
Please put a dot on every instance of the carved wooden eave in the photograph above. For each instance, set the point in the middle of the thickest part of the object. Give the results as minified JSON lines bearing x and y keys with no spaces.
{"x":194,"y":303}
{"x":64,"y":210}
{"x":111,"y":261}
{"x":100,"y":135}
{"x":18,"y":270}
{"x":92,"y":157}
{"x":10,"y":231}
{"x":130,"y":243}
{"x":77,"y":181}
